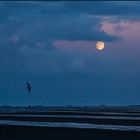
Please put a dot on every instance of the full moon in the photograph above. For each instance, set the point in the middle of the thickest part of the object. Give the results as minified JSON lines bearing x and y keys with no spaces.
{"x":100,"y":45}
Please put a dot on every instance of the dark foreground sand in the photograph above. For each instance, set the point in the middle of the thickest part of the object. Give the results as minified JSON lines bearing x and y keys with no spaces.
{"x":9,"y":132}
{"x":40,"y":133}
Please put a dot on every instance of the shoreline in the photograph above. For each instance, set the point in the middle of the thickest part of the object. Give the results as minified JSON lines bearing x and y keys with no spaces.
{"x":28,"y":132}
{"x":94,"y":124}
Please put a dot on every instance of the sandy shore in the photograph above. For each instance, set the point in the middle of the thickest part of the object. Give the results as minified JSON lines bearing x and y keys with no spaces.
{"x":69,"y":119}
{"x":35,"y":133}
{"x":18,"y":124}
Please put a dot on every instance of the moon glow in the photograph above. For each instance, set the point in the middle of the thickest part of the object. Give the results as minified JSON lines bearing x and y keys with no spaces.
{"x":100,"y":45}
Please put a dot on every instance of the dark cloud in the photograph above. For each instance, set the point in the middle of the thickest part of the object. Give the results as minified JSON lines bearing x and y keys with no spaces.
{"x":117,"y":8}
{"x":28,"y":20}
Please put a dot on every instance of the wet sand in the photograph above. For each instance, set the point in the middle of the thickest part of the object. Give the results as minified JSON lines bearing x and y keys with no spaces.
{"x":35,"y":133}
{"x":19,"y":132}
{"x":78,"y":120}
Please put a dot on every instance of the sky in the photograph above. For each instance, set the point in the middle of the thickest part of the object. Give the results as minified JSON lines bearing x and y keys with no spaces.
{"x":52,"y":45}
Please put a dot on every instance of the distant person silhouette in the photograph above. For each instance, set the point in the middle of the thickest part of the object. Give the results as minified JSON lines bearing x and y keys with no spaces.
{"x":28,"y":87}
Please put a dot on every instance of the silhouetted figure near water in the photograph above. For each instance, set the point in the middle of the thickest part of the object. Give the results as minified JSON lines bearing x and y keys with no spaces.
{"x":28,"y":87}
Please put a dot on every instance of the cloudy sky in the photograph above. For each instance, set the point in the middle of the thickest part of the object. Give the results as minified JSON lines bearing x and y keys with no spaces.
{"x":52,"y":45}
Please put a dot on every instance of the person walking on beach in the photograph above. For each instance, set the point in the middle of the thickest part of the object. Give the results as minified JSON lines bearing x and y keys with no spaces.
{"x":28,"y":87}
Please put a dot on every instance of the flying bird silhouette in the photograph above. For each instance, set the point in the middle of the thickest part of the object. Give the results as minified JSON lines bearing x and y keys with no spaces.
{"x":28,"y":87}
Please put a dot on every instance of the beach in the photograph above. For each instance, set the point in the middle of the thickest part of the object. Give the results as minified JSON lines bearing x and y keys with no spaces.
{"x":69,"y":124}
{"x":34,"y":133}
